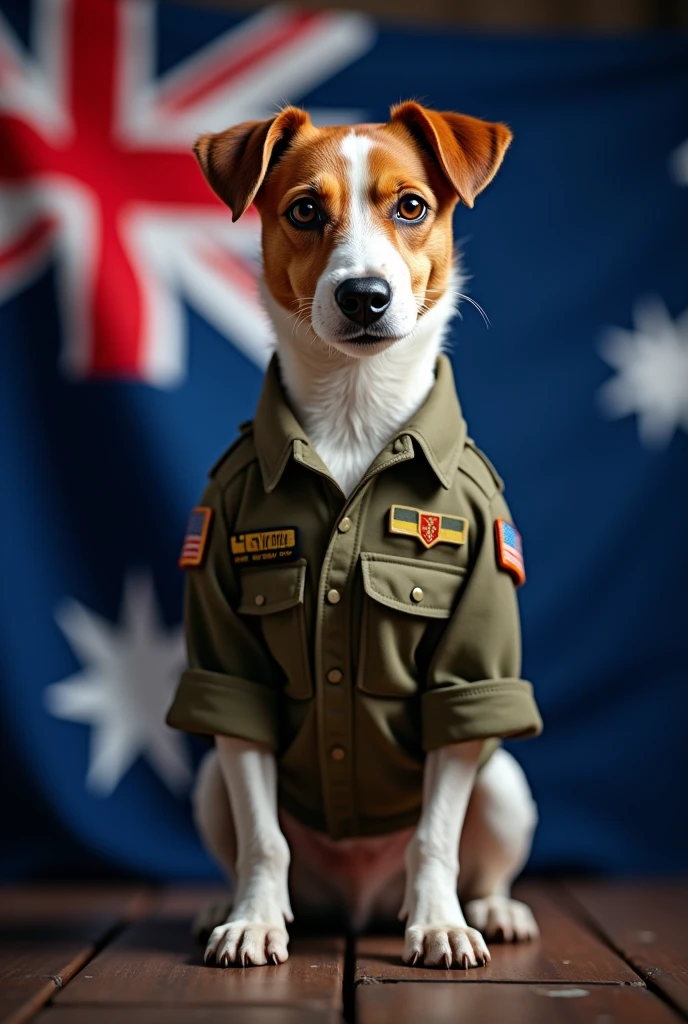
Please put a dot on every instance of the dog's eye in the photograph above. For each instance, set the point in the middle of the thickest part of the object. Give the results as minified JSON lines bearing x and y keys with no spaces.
{"x":411,"y":208}
{"x":304,"y":213}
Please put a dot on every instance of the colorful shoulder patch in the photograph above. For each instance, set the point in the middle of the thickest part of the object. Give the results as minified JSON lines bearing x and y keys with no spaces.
{"x":429,"y":527}
{"x":510,"y":551}
{"x":197,"y":532}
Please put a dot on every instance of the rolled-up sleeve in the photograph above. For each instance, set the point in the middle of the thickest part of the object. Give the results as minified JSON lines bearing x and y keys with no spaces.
{"x":228,"y":688}
{"x":473,"y":689}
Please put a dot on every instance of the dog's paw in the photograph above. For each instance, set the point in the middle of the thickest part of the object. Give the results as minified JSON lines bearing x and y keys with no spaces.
{"x":247,"y":944}
{"x":208,"y":918}
{"x":445,"y":946}
{"x":502,"y":919}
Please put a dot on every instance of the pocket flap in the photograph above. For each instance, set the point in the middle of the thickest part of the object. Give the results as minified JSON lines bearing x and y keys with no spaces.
{"x":420,"y":588}
{"x":272,"y":590}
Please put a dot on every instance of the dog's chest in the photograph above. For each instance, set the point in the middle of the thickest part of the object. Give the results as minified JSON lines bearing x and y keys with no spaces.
{"x":346,"y":460}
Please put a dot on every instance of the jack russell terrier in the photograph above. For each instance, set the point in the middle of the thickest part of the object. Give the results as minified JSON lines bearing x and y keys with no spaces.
{"x":352,"y":625}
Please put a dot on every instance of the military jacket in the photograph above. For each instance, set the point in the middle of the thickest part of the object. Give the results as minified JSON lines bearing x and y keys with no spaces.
{"x":352,"y":635}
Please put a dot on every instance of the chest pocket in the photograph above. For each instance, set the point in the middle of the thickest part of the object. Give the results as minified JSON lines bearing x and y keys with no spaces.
{"x":276,"y":595}
{"x":403,"y":597}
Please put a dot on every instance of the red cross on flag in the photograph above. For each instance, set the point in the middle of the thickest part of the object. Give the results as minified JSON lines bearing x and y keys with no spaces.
{"x":97,"y":174}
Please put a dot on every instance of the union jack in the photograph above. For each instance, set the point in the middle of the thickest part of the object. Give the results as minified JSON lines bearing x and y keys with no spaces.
{"x":96,"y":173}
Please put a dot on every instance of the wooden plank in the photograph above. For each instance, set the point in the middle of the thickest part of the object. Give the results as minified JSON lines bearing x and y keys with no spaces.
{"x":187,"y":1015}
{"x":47,"y":933}
{"x":566,"y":952}
{"x":444,"y":1003}
{"x":647,"y":922}
{"x":157,"y":961}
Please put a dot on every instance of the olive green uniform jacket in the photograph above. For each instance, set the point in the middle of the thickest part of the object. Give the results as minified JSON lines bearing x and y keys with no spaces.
{"x":324,"y":628}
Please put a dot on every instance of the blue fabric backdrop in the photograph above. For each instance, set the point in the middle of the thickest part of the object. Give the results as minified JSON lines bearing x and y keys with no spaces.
{"x":578,"y":392}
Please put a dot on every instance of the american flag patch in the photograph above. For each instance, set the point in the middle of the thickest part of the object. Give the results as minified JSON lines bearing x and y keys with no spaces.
{"x":196,"y":537}
{"x":510,"y":551}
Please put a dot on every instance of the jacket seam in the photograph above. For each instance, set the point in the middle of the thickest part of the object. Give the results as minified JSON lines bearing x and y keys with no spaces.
{"x":200,"y":677}
{"x":414,"y":609}
{"x":450,"y":570}
{"x":490,"y":495}
{"x":247,"y":458}
{"x":471,"y":693}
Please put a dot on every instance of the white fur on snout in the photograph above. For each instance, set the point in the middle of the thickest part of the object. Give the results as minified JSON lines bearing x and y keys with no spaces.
{"x":364,"y":251}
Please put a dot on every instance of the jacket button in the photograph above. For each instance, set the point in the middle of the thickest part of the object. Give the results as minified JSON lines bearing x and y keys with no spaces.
{"x":345,"y":525}
{"x":333,"y":596}
{"x":334,"y":676}
{"x":398,"y":445}
{"x":417,"y":594}
{"x":259,"y":599}
{"x":338,"y":753}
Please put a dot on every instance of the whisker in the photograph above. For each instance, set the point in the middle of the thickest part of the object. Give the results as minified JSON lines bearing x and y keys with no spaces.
{"x":299,"y":316}
{"x":477,"y":306}
{"x":461,"y":295}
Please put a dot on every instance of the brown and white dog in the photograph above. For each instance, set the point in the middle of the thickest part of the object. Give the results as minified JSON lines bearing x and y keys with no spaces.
{"x":360,"y":282}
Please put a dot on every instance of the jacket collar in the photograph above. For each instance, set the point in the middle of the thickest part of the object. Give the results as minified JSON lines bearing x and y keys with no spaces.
{"x":438,"y":428}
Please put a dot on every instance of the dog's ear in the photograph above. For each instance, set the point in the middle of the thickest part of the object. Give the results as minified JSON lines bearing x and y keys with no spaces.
{"x":236,"y":161}
{"x":469,"y":151}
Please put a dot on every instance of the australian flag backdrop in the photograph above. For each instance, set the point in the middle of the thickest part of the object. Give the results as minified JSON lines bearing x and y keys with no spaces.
{"x":132,"y":343}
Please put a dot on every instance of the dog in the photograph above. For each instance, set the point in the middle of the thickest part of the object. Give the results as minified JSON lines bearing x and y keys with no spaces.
{"x":360,"y":280}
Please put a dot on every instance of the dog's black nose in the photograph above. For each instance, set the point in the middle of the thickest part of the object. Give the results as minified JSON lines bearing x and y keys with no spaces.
{"x":363,"y":299}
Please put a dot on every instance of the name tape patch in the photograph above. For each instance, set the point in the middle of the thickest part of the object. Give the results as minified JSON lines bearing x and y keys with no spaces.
{"x":510,"y":551}
{"x":278,"y":545}
{"x":430,"y":527}
{"x":197,"y":532}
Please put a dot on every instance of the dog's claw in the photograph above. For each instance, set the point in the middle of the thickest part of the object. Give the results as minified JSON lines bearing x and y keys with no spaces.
{"x":447,"y":960}
{"x":415,"y":958}
{"x":247,"y":944}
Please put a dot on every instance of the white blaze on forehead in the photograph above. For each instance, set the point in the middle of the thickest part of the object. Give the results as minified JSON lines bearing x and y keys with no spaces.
{"x":355,"y":150}
{"x":362,"y":250}
{"x":365,"y":251}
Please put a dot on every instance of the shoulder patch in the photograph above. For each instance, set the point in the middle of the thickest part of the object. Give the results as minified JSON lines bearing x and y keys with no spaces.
{"x":510,"y":550}
{"x":240,"y":454}
{"x":476,"y":465}
{"x":197,"y":533}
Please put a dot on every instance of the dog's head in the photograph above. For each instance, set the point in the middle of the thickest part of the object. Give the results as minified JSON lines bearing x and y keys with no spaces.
{"x":357,"y":221}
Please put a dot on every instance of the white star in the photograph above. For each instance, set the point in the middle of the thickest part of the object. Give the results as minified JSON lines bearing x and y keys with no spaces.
{"x":652,"y":372}
{"x":678,"y":164}
{"x":129,"y":672}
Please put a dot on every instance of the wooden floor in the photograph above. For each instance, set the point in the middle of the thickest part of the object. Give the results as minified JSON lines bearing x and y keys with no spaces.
{"x":73,"y":955}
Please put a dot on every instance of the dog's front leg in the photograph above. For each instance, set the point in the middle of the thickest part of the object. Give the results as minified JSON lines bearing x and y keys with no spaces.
{"x":436,"y":930}
{"x":254,"y":932}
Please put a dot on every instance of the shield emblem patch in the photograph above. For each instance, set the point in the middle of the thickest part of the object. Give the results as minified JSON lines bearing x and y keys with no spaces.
{"x":429,"y":527}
